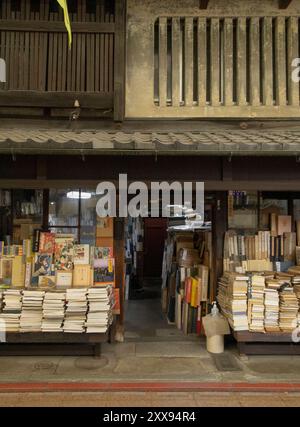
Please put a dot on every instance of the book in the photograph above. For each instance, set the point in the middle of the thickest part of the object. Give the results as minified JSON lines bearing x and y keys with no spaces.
{"x":284,"y":224}
{"x":46,"y":242}
{"x":6,"y":269}
{"x":82,"y":275}
{"x":102,"y":252}
{"x":81,"y":254}
{"x":36,"y":240}
{"x":41,"y":267}
{"x":104,"y":271}
{"x":64,"y":253}
{"x":64,"y":279}
{"x":18,"y":272}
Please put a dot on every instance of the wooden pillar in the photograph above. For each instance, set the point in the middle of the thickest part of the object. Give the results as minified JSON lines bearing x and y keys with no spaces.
{"x":219,"y":227}
{"x":119,"y":60}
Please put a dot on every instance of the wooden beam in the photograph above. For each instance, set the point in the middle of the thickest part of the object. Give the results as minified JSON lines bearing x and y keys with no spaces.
{"x":119,"y":61}
{"x":284,"y":4}
{"x":54,"y":27}
{"x":31,"y":98}
{"x":203,"y":4}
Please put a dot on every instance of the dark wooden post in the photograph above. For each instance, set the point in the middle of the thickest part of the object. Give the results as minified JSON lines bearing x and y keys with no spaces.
{"x":119,"y":60}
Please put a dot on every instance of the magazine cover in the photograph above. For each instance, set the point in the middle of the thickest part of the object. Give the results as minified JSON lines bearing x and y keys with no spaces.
{"x":42,"y":267}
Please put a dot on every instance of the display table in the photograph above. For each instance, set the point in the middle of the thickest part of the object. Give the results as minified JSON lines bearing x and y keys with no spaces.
{"x":54,"y":343}
{"x":275,"y":343}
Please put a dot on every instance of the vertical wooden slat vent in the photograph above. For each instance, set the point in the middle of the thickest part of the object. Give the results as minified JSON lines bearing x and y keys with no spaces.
{"x":237,"y":61}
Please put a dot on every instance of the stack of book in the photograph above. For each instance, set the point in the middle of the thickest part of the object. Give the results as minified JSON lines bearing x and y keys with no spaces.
{"x":100,"y":303}
{"x":256,"y":306}
{"x":232,"y":298}
{"x":288,"y":309}
{"x":76,"y":309}
{"x":53,"y":311}
{"x":32,"y":311}
{"x":12,"y":306}
{"x":271,"y":307}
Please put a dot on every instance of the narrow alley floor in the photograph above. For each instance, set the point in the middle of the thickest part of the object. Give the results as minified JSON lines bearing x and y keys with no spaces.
{"x":155,"y":352}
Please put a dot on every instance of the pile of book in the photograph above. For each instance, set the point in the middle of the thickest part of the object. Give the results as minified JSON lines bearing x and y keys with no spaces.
{"x":272,"y":305}
{"x":232,"y":298}
{"x":53,"y":311}
{"x":256,"y":306}
{"x":288,"y":309}
{"x":32,"y":311}
{"x":11,"y":311}
{"x":100,"y":303}
{"x":76,"y":309}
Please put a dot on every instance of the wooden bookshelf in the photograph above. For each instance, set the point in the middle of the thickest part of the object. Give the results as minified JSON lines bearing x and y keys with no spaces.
{"x":275,"y":343}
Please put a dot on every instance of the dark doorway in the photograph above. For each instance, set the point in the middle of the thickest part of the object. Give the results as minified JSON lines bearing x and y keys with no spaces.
{"x":155,"y":230}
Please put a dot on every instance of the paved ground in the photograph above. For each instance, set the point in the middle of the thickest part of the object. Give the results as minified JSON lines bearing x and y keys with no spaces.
{"x":153,"y":351}
{"x":176,"y":399}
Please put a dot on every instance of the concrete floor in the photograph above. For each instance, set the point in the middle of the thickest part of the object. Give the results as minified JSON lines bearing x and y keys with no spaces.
{"x":153,"y":351}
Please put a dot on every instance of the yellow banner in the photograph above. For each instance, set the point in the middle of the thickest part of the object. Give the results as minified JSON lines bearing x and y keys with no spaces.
{"x":64,"y":5}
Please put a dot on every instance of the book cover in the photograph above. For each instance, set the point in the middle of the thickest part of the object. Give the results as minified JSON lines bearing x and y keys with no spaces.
{"x":46,"y":282}
{"x":6,"y":270}
{"x":28,"y":269}
{"x":104,"y":271}
{"x":188,"y":286}
{"x":81,"y":254}
{"x":82,"y":275}
{"x":41,"y":267}
{"x":64,"y":253}
{"x":102,"y":253}
{"x":64,"y":279}
{"x":47,"y":242}
{"x":18,"y":272}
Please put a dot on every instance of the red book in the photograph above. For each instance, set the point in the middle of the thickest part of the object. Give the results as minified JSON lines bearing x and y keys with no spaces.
{"x":188,"y":289}
{"x":47,"y":242}
{"x":199,"y":323}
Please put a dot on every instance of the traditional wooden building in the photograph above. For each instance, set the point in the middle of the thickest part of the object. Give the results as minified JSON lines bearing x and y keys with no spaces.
{"x":174,"y":90}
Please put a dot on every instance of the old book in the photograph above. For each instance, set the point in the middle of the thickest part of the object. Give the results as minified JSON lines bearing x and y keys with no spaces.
{"x":194,"y":292}
{"x":28,"y":269}
{"x":289,"y":246}
{"x":64,"y":253}
{"x":47,"y":281}
{"x":64,"y":279}
{"x":18,"y":272}
{"x":82,"y":275}
{"x":6,"y":270}
{"x":284,"y":224}
{"x":104,"y":272}
{"x":188,"y":289}
{"x":41,"y":267}
{"x":298,"y":255}
{"x":105,"y":227}
{"x":81,"y":254}
{"x":273,"y":224}
{"x":203,"y":273}
{"x":47,"y":242}
{"x":101,"y":252}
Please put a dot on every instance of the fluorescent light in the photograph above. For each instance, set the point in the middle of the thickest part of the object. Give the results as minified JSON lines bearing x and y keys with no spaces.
{"x":75,"y":195}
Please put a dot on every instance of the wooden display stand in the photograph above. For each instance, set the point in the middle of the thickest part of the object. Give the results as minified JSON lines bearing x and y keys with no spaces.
{"x":275,"y":343}
{"x":55,"y":343}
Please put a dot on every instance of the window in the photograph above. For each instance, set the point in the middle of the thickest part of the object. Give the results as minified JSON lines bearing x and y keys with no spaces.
{"x":73,"y":212}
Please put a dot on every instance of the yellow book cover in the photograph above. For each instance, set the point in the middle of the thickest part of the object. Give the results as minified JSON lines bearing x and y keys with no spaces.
{"x":194,"y":292}
{"x":18,"y":271}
